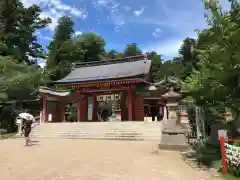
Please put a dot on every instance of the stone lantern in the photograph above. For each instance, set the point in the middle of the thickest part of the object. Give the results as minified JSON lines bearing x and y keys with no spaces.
{"x":173,"y":131}
{"x":172,"y":98}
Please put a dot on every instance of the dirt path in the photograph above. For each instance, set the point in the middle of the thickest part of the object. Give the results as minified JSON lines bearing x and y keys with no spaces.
{"x":92,"y":160}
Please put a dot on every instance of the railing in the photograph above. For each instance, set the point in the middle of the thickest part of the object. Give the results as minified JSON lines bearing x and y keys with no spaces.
{"x":230,"y":154}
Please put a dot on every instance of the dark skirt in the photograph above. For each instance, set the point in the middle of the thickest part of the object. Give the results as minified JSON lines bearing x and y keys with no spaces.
{"x":27,"y":131}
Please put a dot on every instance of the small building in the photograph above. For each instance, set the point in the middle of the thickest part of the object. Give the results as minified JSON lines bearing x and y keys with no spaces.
{"x":120,"y":85}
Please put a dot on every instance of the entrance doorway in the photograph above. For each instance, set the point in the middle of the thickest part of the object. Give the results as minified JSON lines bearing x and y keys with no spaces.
{"x":70,"y":112}
{"x":109,"y":107}
{"x":153,"y":112}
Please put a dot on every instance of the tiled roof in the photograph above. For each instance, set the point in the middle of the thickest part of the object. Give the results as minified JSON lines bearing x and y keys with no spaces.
{"x":55,"y":92}
{"x":105,"y":70}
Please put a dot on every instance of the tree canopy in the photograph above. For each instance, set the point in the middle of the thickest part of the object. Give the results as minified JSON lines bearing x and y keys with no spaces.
{"x":18,"y":26}
{"x":216,"y":80}
{"x":19,"y":50}
{"x":18,"y":81}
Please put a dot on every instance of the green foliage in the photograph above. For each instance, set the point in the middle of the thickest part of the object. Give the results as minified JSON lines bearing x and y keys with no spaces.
{"x":17,"y":31}
{"x":66,"y":49}
{"x":93,"y":45}
{"x":188,"y":57}
{"x":105,"y":110}
{"x":235,"y":171}
{"x":207,"y":153}
{"x":62,"y":50}
{"x":213,"y":82}
{"x":113,"y":54}
{"x":155,"y":66}
{"x":73,"y":113}
{"x":8,"y":117}
{"x":237,"y":143}
{"x":18,"y":81}
{"x":20,"y":75}
{"x":64,"y":30}
{"x":216,"y":80}
{"x":132,"y":50}
{"x":2,"y":133}
{"x":192,"y":117}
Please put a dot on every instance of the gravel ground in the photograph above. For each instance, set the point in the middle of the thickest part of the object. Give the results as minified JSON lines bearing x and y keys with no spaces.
{"x":92,"y":160}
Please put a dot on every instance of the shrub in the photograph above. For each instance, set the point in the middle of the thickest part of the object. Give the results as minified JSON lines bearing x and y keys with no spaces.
{"x":234,"y":170}
{"x":2,"y":132}
{"x":8,"y":118}
{"x":236,"y":144}
{"x":73,"y":113}
{"x":206,"y":153}
{"x":191,"y":117}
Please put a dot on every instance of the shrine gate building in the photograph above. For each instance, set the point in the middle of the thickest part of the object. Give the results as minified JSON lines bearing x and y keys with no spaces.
{"x":120,"y":84}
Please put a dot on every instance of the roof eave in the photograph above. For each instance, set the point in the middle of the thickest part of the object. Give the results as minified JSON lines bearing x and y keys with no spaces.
{"x":140,"y":76}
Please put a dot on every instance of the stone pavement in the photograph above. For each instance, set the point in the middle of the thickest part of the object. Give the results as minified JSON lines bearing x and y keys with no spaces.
{"x":56,"y":159}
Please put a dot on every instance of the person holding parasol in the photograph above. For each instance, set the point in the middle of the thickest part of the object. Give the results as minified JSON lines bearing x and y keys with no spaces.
{"x":27,"y":122}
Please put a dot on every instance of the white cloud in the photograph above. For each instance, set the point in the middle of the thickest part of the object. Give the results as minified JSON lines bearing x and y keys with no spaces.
{"x":156,"y":32}
{"x":42,"y":64}
{"x":55,"y":9}
{"x":168,"y":48}
{"x":138,"y":12}
{"x":106,"y":4}
{"x":77,"y":33}
{"x":181,"y":21}
{"x":113,"y":9}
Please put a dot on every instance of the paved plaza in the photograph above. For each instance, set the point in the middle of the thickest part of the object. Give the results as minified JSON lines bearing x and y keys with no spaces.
{"x":92,"y":160}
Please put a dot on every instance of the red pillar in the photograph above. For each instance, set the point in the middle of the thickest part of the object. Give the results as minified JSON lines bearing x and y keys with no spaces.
{"x":130,"y":103}
{"x":94,"y":118}
{"x":78,"y":104}
{"x":61,"y":111}
{"x":138,"y":108}
{"x":223,"y":152}
{"x":44,"y":109}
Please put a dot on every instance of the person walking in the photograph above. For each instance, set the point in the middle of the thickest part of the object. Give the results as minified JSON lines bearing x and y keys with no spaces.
{"x":26,"y":130}
{"x":27,"y":123}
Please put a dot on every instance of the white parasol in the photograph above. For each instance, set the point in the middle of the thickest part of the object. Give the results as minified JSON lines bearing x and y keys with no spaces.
{"x":27,"y":116}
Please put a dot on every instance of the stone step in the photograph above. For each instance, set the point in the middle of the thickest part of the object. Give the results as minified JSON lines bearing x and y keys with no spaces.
{"x":102,"y":130}
{"x":92,"y":135}
{"x":97,"y":134}
{"x":103,"y":138}
{"x":96,"y":137}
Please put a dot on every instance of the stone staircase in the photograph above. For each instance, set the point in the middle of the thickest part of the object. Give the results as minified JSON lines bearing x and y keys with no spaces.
{"x":99,"y":130}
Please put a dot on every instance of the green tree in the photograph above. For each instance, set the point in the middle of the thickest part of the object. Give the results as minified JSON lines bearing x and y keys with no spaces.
{"x":216,"y":82}
{"x":112,"y":54}
{"x":17,"y":31}
{"x":18,"y":81}
{"x":132,"y":50}
{"x":63,"y":32}
{"x":187,"y":55}
{"x":93,"y":46}
{"x":63,"y":50}
{"x":156,"y":63}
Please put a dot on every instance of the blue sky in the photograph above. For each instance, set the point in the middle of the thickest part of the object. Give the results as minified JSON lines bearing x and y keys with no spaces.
{"x":158,"y":25}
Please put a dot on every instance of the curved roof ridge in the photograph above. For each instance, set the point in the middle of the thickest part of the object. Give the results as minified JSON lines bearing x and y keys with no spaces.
{"x":111,"y":61}
{"x":108,"y":71}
